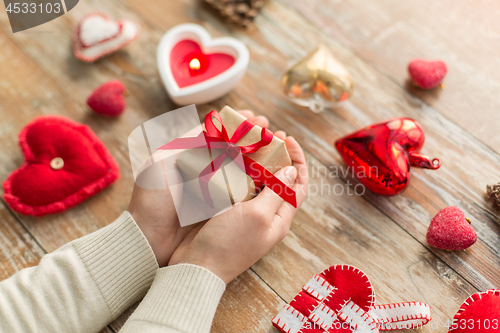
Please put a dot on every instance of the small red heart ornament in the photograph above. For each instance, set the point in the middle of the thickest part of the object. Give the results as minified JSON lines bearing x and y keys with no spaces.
{"x":187,"y":73}
{"x":341,"y":299}
{"x":380,"y":155}
{"x":450,"y":230}
{"x":480,"y":313}
{"x":97,"y":35}
{"x":108,"y":99}
{"x":427,"y":74}
{"x":65,"y":163}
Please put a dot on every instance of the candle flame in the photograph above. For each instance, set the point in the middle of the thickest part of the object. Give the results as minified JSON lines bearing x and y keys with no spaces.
{"x":194,"y":64}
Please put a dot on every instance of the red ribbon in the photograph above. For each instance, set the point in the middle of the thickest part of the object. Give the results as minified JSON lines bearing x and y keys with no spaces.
{"x":213,"y":138}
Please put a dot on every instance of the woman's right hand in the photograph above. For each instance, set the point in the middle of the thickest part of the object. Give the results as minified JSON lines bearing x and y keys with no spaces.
{"x":230,"y":243}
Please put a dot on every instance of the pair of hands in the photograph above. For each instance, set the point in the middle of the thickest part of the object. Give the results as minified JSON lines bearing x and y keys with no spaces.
{"x":229,"y":243}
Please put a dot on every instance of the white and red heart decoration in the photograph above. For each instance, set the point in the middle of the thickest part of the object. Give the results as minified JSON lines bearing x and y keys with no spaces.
{"x":97,"y":35}
{"x":196,"y":68}
{"x":341,"y":299}
{"x":480,"y":313}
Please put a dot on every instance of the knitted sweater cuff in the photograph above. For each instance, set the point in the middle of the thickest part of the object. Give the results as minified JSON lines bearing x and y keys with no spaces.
{"x":183,"y":297}
{"x":121,"y":262}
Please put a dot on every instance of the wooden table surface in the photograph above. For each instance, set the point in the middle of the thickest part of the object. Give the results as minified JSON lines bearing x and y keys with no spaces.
{"x":384,"y":236}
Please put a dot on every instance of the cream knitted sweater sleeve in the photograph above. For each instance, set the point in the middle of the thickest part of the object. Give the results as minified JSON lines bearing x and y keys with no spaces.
{"x":183,"y":298}
{"x":87,"y":283}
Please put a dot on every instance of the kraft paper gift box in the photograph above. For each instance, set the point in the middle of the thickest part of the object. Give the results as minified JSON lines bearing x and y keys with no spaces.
{"x":239,"y":186}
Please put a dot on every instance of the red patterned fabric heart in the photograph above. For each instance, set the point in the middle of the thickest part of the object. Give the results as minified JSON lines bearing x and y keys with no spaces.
{"x":480,"y":313}
{"x":380,"y":155}
{"x":66,"y":163}
{"x":341,"y":299}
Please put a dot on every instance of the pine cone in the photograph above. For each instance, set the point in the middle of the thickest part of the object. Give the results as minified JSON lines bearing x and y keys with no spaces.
{"x":494,"y":193}
{"x":241,"y":12}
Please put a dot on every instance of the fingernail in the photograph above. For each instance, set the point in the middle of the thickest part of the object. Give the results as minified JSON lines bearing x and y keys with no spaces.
{"x":290,"y":174}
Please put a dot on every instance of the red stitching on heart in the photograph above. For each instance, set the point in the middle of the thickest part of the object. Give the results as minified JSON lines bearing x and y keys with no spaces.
{"x":473,"y":298}
{"x":326,"y":312}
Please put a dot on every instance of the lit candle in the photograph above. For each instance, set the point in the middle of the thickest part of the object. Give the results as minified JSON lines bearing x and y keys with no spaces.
{"x":197,"y":64}
{"x":194,"y":64}
{"x":197,"y":69}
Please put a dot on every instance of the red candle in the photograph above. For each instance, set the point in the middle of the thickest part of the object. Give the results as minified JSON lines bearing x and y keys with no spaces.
{"x":190,"y":65}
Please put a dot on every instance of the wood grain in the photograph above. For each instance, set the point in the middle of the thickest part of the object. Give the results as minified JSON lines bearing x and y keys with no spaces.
{"x":385,"y":237}
{"x":389,"y":33}
{"x":21,"y":101}
{"x":18,"y":249}
{"x":344,"y":228}
{"x":378,"y":98}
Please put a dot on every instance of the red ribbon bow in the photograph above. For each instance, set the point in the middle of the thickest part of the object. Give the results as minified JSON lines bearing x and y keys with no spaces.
{"x":213,"y":138}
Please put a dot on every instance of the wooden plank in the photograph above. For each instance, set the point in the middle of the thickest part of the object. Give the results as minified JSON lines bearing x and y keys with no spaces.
{"x":389,"y":33}
{"x":135,"y":66}
{"x":461,"y":181}
{"x":248,"y":305}
{"x":376,"y":97}
{"x":258,"y":301}
{"x":259,"y":75}
{"x":18,"y":249}
{"x":343,"y":228}
{"x":18,"y":108}
{"x":263,"y":81}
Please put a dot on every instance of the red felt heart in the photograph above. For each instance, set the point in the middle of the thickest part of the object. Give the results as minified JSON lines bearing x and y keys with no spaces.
{"x":210,"y":65}
{"x":427,"y":74}
{"x":45,"y":185}
{"x":450,"y":230}
{"x":380,"y":155}
{"x":108,"y":99}
{"x":480,"y":313}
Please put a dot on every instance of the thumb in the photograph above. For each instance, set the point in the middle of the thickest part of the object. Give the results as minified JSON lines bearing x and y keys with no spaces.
{"x":271,"y":200}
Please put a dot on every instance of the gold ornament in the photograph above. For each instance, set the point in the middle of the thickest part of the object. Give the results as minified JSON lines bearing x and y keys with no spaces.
{"x":318,"y":81}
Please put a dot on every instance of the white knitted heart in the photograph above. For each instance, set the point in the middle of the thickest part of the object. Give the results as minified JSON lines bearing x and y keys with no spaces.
{"x":98,"y":35}
{"x":95,"y":29}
